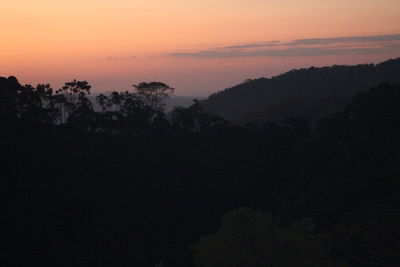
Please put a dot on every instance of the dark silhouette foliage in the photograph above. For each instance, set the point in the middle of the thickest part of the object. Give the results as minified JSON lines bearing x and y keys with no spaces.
{"x":255,"y":239}
{"x":127,"y":185}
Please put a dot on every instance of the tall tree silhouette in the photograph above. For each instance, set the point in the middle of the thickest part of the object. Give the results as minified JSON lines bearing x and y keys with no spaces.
{"x":154,"y":94}
{"x":10,"y":89}
{"x":72,"y":98}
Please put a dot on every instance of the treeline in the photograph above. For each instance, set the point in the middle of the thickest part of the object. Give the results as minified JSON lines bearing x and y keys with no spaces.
{"x":70,"y":106}
{"x":131,"y":186}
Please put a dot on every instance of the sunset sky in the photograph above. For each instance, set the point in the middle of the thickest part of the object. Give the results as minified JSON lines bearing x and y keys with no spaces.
{"x":198,"y":47}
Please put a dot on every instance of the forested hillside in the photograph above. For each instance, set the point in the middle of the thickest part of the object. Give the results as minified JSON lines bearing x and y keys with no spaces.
{"x":266,"y":99}
{"x":123,"y":186}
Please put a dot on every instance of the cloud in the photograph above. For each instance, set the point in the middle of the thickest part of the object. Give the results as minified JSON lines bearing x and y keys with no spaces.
{"x":303,"y":48}
{"x":352,"y":39}
{"x":287,"y":52}
{"x":271,"y":43}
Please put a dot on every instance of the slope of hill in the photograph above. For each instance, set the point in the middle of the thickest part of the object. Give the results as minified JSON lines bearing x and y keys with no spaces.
{"x":312,"y":108}
{"x":267,"y":99}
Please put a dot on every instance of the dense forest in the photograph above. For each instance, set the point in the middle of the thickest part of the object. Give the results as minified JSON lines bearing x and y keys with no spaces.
{"x":127,"y":185}
{"x":312,"y":93}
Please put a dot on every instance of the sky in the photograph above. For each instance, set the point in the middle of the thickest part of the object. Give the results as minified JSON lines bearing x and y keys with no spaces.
{"x":197,"y":47}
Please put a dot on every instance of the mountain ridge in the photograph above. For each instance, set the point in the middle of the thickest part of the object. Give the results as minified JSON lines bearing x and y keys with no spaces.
{"x":330,"y":82}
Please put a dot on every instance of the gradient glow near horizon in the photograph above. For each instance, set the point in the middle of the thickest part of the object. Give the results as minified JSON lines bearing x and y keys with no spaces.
{"x":198,"y":47}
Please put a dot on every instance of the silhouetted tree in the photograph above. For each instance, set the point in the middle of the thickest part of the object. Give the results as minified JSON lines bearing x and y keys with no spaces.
{"x":72,"y":98}
{"x":10,"y":89}
{"x":154,"y":94}
{"x":255,"y":239}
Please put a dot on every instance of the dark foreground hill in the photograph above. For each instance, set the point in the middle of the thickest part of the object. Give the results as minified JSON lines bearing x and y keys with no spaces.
{"x":311,"y":93}
{"x":123,"y":186}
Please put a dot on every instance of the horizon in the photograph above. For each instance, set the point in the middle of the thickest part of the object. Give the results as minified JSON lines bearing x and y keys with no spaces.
{"x":196,"y":47}
{"x":206,"y":95}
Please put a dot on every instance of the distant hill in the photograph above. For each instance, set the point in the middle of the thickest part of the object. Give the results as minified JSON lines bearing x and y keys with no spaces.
{"x":312,"y":93}
{"x":170,"y":104}
{"x":180,"y":101}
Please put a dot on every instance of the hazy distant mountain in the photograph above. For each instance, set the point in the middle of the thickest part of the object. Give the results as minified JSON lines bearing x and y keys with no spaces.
{"x":180,"y":101}
{"x":170,"y":104}
{"x":312,"y":93}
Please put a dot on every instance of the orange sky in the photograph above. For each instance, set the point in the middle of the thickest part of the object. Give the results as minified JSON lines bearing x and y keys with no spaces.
{"x":113,"y":44}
